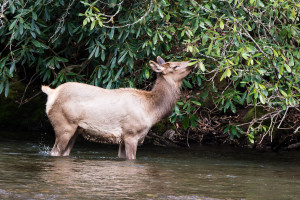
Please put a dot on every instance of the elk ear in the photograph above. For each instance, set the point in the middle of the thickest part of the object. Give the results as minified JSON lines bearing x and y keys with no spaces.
{"x":160,"y":60}
{"x":156,"y":67}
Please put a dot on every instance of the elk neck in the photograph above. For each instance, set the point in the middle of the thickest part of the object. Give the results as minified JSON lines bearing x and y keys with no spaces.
{"x":164,"y":95}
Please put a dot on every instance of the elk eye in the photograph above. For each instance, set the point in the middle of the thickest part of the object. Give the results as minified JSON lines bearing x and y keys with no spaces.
{"x":176,"y":67}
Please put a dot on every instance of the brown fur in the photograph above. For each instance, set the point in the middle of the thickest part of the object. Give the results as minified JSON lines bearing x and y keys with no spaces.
{"x":120,"y":116}
{"x":162,"y":98}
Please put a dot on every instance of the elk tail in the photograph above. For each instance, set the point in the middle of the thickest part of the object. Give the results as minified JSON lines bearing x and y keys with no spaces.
{"x":47,"y":89}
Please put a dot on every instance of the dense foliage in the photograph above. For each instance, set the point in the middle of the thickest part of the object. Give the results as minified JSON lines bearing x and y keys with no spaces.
{"x":247,"y":52}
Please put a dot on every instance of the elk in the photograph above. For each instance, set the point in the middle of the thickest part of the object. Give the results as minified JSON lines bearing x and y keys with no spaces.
{"x":117,"y":116}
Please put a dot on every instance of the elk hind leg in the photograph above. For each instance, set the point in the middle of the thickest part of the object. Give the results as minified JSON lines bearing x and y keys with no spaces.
{"x":70,"y":145}
{"x":65,"y":139}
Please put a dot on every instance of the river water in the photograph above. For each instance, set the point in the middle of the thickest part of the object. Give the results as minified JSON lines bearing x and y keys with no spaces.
{"x":93,"y":171}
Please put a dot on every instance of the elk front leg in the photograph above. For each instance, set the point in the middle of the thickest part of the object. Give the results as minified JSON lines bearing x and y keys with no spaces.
{"x":131,"y":147}
{"x":122,"y":151}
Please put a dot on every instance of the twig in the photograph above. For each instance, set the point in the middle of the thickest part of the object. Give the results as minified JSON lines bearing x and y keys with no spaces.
{"x":283,"y":117}
{"x":297,"y":129}
{"x":61,"y":23}
{"x":32,"y":79}
{"x":187,"y":138}
{"x":127,"y":25}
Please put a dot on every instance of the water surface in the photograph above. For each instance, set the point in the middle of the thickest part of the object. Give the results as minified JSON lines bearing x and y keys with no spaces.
{"x":93,"y":171}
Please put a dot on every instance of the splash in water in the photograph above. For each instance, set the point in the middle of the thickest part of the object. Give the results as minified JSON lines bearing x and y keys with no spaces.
{"x":44,"y":149}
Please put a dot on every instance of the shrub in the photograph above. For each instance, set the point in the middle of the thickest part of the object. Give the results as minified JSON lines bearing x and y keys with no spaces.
{"x":247,"y":51}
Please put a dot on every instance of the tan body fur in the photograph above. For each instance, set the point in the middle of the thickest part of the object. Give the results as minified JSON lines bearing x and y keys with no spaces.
{"x":118,"y":116}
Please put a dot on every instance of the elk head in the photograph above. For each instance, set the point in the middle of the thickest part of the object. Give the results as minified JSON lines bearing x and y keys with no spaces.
{"x":171,"y":71}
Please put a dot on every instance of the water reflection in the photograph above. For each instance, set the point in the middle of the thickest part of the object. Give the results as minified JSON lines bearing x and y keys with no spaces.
{"x":94,"y":177}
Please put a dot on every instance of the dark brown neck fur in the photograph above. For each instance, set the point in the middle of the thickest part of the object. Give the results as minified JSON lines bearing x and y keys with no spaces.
{"x":163,"y":96}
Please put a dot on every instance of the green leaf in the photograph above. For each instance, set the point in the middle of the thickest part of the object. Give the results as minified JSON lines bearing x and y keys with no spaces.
{"x":6,"y":89}
{"x":233,"y":130}
{"x":249,"y":27}
{"x":109,"y":84}
{"x":84,"y":22}
{"x":93,"y":24}
{"x":102,"y":55}
{"x":187,"y":84}
{"x":147,"y":73}
{"x":228,"y":72}
{"x":199,"y":81}
{"x":60,"y":59}
{"x":155,"y":39}
{"x":12,"y":8}
{"x":2,"y":64}
{"x":232,"y":107}
{"x":228,"y":102}
{"x":223,"y":76}
{"x":251,"y":138}
{"x":197,"y":103}
{"x":92,"y":53}
{"x":160,"y":13}
{"x":168,"y":17}
{"x":111,"y":34}
{"x":160,"y":37}
{"x":44,"y":46}
{"x":192,"y":63}
{"x":1,"y":87}
{"x":12,"y":67}
{"x":281,"y":69}
{"x":118,"y":73}
{"x":204,"y":94}
{"x":36,"y":43}
{"x":262,"y":99}
{"x":240,"y":4}
{"x":34,"y":16}
{"x":288,"y":69}
{"x":177,"y":111}
{"x":186,"y":122}
{"x":245,"y":56}
{"x":221,"y":25}
{"x":138,"y":33}
{"x":233,"y":133}
{"x":283,"y":93}
{"x":201,"y":66}
{"x":243,"y":97}
{"x":12,"y":25}
{"x":194,"y":120}
{"x":275,"y":53}
{"x":209,"y":48}
{"x":173,"y":118}
{"x":260,"y":3}
{"x":180,"y":103}
{"x":255,"y":94}
{"x":291,"y":62}
{"x":21,"y":28}
{"x":97,"y":52}
{"x":122,"y":58}
{"x":226,"y":129}
{"x":207,"y":22}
